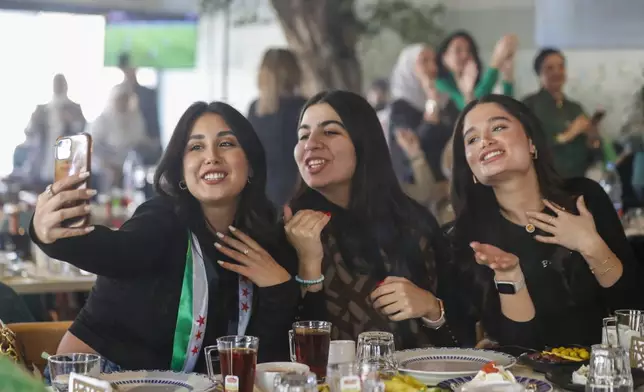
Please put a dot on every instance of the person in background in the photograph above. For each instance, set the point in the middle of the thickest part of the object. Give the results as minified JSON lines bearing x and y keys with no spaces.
{"x":164,"y":289}
{"x":144,"y":100}
{"x":374,"y":255}
{"x":60,"y":117}
{"x":632,"y":143}
{"x":541,"y":261}
{"x":378,"y":97}
{"x":460,"y":71}
{"x":115,"y":132}
{"x":563,"y":120}
{"x":419,"y":106}
{"x":274,"y":116}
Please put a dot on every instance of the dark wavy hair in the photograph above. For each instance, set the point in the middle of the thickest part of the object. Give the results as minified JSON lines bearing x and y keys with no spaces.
{"x":255,"y":213}
{"x":376,"y":200}
{"x":445,"y":73}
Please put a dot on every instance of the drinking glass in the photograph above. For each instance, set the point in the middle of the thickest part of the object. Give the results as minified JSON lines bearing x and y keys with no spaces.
{"x":629,"y":325}
{"x":376,"y":349}
{"x":609,"y":370}
{"x":60,"y":366}
{"x":296,"y":382}
{"x":342,"y":351}
{"x":309,"y":343}
{"x":237,"y":357}
{"x":610,"y":337}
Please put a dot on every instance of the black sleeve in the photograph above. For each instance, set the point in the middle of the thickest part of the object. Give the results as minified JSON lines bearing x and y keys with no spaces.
{"x":138,"y":247}
{"x":628,"y":291}
{"x":277,"y":308}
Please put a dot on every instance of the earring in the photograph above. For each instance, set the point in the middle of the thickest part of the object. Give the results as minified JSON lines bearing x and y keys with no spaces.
{"x":474,"y":179}
{"x":535,"y":154}
{"x":182,"y":185}
{"x":248,"y":180}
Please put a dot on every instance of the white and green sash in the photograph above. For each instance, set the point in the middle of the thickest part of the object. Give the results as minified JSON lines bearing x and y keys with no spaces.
{"x":193,"y":309}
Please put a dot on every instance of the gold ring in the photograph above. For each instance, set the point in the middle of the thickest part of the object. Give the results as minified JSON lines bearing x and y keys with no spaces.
{"x":552,"y":218}
{"x":246,"y":252}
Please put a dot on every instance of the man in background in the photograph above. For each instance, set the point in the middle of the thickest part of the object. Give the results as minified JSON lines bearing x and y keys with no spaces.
{"x":146,"y":100}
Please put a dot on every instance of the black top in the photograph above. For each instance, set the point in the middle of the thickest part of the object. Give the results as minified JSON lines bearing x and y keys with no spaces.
{"x":278,"y":133}
{"x":569,"y":302}
{"x":433,"y":137}
{"x":131,"y":314}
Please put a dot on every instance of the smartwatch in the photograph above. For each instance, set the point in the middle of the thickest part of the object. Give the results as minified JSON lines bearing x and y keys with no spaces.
{"x":510,"y":288}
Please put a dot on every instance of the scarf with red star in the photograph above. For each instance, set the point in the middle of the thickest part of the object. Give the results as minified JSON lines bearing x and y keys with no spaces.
{"x":193,"y":309}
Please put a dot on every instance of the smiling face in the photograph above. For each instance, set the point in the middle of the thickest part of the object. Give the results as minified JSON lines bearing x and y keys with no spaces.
{"x":457,"y":55}
{"x":215,"y":167}
{"x":325,"y":154}
{"x":496,"y":144}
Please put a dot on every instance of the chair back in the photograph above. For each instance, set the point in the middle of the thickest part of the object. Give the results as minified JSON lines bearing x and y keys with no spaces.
{"x":35,"y":338}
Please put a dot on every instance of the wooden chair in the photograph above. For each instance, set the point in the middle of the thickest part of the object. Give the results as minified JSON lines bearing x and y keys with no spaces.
{"x":35,"y":338}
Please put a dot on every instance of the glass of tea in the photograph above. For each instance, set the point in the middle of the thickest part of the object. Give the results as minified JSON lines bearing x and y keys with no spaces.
{"x":237,"y":357}
{"x":309,"y":342}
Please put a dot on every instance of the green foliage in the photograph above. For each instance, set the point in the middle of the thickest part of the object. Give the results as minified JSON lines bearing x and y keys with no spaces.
{"x":411,"y":21}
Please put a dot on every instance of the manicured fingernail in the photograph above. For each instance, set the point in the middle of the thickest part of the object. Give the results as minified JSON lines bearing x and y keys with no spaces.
{"x":220,"y":235}
{"x":493,"y":265}
{"x":220,"y":262}
{"x":91,"y":192}
{"x":217,"y":245}
{"x":87,"y":208}
{"x":89,"y":229}
{"x":231,"y":228}
{"x":380,"y":283}
{"x":327,"y":213}
{"x":84,"y":174}
{"x":483,"y":257}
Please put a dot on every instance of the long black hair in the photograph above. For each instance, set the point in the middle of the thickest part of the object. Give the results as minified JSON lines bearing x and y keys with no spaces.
{"x":375,"y":190}
{"x":255,"y":213}
{"x":377,"y":201}
{"x":443,"y":71}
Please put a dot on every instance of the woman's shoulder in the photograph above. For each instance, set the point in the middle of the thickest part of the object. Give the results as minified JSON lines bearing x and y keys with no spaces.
{"x":594,"y":195}
{"x":158,"y":210}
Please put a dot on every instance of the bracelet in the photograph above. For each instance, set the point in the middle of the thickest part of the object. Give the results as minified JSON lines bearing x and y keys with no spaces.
{"x":308,"y":283}
{"x":436,"y":324}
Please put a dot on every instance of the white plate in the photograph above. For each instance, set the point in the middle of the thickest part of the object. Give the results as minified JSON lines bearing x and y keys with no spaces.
{"x":536,"y":385}
{"x":433,"y":365}
{"x":159,"y":381}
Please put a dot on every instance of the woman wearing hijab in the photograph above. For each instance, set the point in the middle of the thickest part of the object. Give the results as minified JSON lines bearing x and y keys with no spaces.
{"x":417,"y":105}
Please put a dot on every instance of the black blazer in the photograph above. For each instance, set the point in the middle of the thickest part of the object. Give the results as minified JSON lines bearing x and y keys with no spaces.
{"x":131,"y":314}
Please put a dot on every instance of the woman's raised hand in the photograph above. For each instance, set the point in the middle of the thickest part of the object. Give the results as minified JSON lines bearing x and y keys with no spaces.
{"x":303,"y":231}
{"x":53,"y":208}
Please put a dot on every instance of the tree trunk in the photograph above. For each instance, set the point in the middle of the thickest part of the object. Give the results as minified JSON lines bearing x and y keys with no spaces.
{"x":324,"y":34}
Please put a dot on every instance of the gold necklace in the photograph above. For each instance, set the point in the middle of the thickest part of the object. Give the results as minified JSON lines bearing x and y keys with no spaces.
{"x":529,"y":227}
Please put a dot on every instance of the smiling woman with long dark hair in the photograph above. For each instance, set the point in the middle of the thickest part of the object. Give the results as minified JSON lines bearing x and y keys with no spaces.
{"x":165,"y":287}
{"x":541,"y":260}
{"x":374,"y":255}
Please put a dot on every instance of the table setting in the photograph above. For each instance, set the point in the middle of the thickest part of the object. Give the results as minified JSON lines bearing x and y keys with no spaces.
{"x":372,"y":364}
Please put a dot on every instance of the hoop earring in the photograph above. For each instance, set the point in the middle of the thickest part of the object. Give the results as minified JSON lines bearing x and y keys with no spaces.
{"x":474,"y":179}
{"x":182,"y":185}
{"x":535,"y":154}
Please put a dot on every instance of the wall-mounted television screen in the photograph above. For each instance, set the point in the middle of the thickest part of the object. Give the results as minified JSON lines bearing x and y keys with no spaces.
{"x":151,"y":41}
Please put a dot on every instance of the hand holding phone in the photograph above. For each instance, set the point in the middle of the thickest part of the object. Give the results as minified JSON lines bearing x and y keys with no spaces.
{"x":73,"y":157}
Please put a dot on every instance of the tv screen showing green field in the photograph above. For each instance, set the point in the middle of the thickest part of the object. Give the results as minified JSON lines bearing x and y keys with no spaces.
{"x":155,"y":42}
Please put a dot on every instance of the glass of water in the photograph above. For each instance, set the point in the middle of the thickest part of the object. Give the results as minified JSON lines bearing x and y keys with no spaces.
{"x":377,"y":349}
{"x":60,"y":366}
{"x":609,"y":370}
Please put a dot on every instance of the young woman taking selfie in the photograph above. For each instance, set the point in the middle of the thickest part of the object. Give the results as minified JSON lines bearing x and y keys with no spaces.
{"x":164,"y":287}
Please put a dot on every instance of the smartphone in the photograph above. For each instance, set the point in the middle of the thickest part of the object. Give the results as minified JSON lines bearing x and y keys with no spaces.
{"x":73,"y":155}
{"x":597,"y":116}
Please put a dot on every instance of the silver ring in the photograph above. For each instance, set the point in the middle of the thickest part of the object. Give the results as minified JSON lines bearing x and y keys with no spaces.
{"x":50,"y":191}
{"x":246,"y":252}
